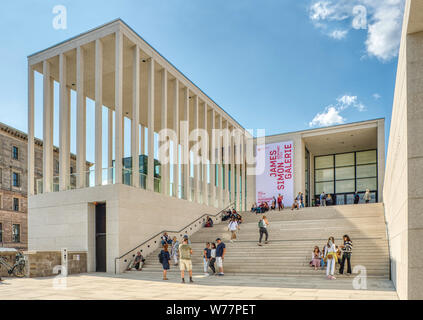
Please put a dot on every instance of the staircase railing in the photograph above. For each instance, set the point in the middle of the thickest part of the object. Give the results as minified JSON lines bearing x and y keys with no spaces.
{"x":159,"y":234}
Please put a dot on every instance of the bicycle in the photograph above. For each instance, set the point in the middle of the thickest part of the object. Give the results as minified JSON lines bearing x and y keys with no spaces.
{"x":18,"y":269}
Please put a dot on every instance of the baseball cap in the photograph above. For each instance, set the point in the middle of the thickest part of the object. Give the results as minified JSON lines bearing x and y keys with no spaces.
{"x":218,"y":239}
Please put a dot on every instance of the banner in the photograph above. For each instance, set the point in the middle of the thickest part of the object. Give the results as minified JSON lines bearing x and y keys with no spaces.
{"x":278,"y":175}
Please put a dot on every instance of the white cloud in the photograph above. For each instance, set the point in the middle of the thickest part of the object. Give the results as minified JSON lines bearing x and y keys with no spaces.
{"x":381,"y":18}
{"x":320,"y":10}
{"x":376,"y":96}
{"x":328,"y":117}
{"x":329,"y":10}
{"x":338,"y":34}
{"x":384,"y":33}
{"x":347,"y":100}
{"x":332,"y":113}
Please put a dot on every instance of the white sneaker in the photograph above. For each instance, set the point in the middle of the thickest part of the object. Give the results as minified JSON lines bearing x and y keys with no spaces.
{"x":206,"y":274}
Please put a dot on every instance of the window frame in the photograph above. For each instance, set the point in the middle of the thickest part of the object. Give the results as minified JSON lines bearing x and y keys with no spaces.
{"x":16,"y":237}
{"x":18,"y":176}
{"x":14,"y":204}
{"x":15,"y":152}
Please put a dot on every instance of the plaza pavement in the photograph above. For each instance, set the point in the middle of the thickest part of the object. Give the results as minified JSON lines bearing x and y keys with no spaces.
{"x":143,"y":285}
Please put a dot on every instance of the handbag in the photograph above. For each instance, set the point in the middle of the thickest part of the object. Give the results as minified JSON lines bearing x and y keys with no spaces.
{"x":330,"y":256}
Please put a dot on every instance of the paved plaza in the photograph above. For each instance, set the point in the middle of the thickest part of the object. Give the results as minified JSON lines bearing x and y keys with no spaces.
{"x":143,"y":285}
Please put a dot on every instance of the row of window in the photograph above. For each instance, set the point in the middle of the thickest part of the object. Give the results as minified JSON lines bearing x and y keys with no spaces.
{"x":16,"y":233}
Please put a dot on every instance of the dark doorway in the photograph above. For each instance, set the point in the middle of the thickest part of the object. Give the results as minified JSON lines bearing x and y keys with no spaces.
{"x":100,"y":237}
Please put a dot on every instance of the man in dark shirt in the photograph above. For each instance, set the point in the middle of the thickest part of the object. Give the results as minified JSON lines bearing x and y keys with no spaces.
{"x":220,"y":255}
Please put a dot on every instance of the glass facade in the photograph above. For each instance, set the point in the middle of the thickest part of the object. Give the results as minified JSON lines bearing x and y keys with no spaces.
{"x":340,"y":175}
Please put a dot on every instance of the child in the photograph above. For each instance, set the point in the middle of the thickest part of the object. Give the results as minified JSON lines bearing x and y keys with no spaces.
{"x":315,"y":258}
{"x":212,"y":257}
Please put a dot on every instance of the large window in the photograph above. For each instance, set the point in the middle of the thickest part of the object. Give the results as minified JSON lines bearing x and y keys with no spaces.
{"x":342,"y":174}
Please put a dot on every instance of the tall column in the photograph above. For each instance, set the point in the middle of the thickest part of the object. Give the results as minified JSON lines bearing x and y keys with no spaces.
{"x":31,"y":147}
{"x":98,"y":112}
{"x":163,"y":156}
{"x":135,"y":132}
{"x":239,"y":178}
{"x":109,"y":146}
{"x":142,"y":137}
{"x":220,"y":163}
{"x":118,"y":106}
{"x":204,"y":156}
{"x":47,"y":129}
{"x":80,"y":119}
{"x":185,"y":145}
{"x":150,"y":166}
{"x":232,"y":157}
{"x":226,"y":140}
{"x":196,"y":158}
{"x":243,"y":181}
{"x":176,"y":141}
{"x":213,"y":161}
{"x":64,"y":126}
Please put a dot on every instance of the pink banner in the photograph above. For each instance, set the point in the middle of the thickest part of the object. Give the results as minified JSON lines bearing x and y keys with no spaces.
{"x":278,"y":175}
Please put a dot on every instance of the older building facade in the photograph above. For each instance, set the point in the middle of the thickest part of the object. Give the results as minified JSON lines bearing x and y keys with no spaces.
{"x":13,"y":184}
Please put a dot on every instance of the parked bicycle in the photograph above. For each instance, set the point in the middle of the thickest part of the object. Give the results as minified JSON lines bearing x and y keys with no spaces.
{"x":18,"y":269}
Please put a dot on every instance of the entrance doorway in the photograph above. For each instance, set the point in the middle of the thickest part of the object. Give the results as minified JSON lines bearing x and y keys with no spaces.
{"x":100,"y":237}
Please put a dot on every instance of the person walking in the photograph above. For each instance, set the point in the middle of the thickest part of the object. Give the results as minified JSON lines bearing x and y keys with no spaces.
{"x":233,"y":227}
{"x":263,"y":223}
{"x":212,"y":257}
{"x":356,"y":198}
{"x":220,"y":255}
{"x":367,"y":197}
{"x":346,"y":255}
{"x":185,"y":262}
{"x":206,"y":258}
{"x":165,"y":260}
{"x":175,"y":251}
{"x":330,"y":258}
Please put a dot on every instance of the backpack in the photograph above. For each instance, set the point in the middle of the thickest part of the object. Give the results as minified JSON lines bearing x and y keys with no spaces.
{"x":261,"y":224}
{"x":160,"y":257}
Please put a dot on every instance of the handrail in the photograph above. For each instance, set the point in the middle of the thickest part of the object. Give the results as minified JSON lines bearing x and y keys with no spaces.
{"x":163,"y":231}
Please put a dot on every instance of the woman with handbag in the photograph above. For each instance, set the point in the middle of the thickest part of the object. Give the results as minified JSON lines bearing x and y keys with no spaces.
{"x":330,"y":258}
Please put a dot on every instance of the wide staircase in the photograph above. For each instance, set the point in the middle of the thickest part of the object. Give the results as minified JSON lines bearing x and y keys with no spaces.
{"x":292,"y":237}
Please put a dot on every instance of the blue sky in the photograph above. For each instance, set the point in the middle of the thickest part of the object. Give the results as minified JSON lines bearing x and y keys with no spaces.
{"x":279,"y":65}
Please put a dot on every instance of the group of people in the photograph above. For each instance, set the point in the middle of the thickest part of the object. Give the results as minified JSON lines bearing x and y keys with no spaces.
{"x":331,"y":255}
{"x":264,"y":205}
{"x":231,"y":214}
{"x":277,"y":203}
{"x":328,"y":200}
{"x":181,"y":255}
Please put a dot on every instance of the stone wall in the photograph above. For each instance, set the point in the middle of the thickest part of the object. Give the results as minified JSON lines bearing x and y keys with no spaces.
{"x":42,"y":263}
{"x":403,"y":193}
